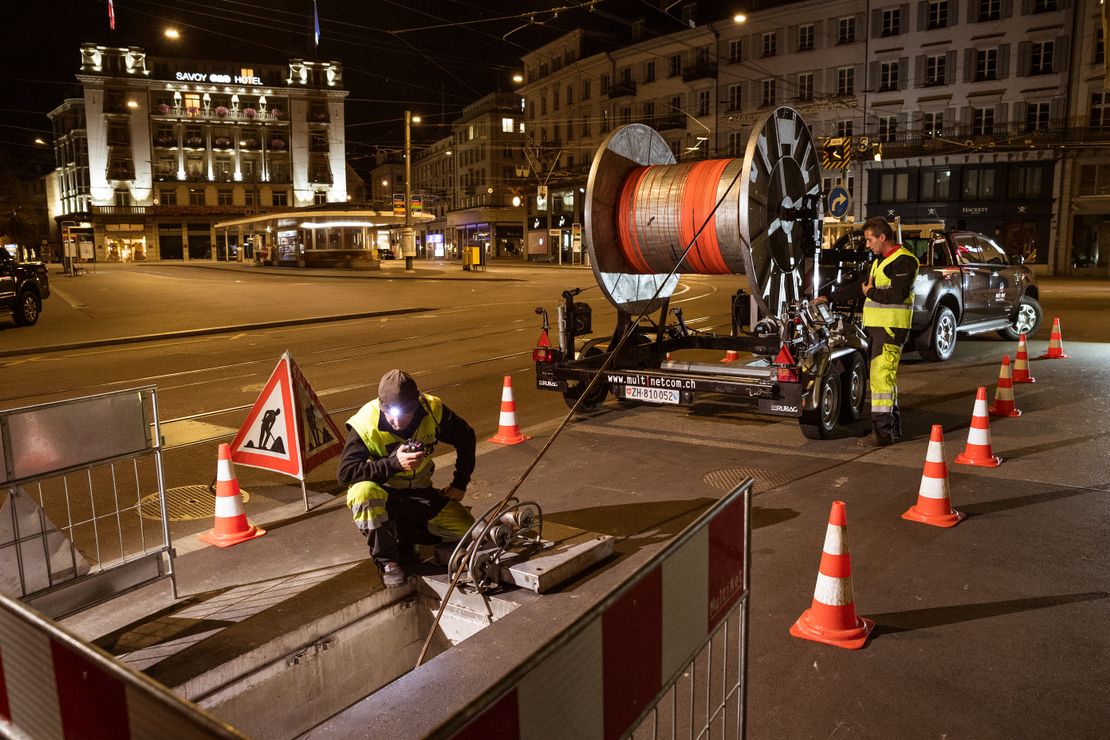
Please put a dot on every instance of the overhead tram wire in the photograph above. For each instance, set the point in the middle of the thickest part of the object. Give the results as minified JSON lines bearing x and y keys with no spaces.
{"x":611,"y":353}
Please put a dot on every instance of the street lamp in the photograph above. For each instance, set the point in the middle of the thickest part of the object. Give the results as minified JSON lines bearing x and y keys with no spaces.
{"x":408,"y":240}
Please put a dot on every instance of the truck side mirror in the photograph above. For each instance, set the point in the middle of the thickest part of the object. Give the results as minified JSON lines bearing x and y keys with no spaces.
{"x":1017,"y":259}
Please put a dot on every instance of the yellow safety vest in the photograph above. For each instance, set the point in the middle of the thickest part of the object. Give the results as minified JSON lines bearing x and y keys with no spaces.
{"x":890,"y":315}
{"x":378,"y":441}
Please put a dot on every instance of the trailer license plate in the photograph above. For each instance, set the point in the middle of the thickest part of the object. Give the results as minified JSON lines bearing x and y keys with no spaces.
{"x":652,"y":395}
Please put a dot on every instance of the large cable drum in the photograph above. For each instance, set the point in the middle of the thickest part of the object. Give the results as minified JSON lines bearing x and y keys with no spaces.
{"x":643,"y":209}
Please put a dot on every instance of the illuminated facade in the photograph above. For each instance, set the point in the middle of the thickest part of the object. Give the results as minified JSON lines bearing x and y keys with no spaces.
{"x":158,"y":150}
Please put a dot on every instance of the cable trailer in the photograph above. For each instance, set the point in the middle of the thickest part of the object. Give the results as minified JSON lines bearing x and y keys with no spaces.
{"x":760,"y":216}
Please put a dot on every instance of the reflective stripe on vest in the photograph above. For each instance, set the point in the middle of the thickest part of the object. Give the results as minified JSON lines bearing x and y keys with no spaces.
{"x":891,"y":315}
{"x":380,"y":441}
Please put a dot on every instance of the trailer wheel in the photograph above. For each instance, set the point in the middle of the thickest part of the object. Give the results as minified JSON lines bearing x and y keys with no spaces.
{"x":821,"y":422}
{"x":853,"y":384}
{"x":597,"y":395}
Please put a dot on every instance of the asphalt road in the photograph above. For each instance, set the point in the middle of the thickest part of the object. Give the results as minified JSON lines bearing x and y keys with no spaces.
{"x":995,"y":628}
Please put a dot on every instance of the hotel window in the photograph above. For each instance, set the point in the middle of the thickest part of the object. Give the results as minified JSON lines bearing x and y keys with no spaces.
{"x":703,"y":103}
{"x":123,"y":198}
{"x":585,"y":126}
{"x":224,"y":197}
{"x":1100,"y":47}
{"x":320,"y":198}
{"x":990,"y":10}
{"x":733,"y":143}
{"x":845,"y":81}
{"x":766,"y":93}
{"x":894,"y":187}
{"x":194,"y":168}
{"x":192,"y":103}
{"x":735,"y":50}
{"x":166,"y":166}
{"x":555,"y":99}
{"x":935,"y":185}
{"x":934,"y":70}
{"x":933,"y":124}
{"x":649,"y":74}
{"x":805,"y":86}
{"x":250,"y":198}
{"x":585,"y":89}
{"x":843,"y":128}
{"x":805,"y":37}
{"x":982,"y":122}
{"x":674,"y":65}
{"x":936,"y":15}
{"x":1036,"y":116}
{"x":978,"y":184}
{"x":1100,"y":111}
{"x":196,"y":196}
{"x":767,"y":47}
{"x":647,"y":110}
{"x":167,"y":196}
{"x":892,"y":22}
{"x":1044,"y":6}
{"x":222,"y":168}
{"x":1040,"y":61}
{"x":846,"y":30}
{"x":986,"y":65}
{"x":888,"y":76}
{"x":733,"y":93}
{"x":506,"y":125}
{"x":888,"y":128}
{"x":279,"y":198}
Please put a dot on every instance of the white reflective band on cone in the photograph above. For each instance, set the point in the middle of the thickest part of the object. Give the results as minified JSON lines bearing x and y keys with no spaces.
{"x":228,"y":506}
{"x":933,"y":487}
{"x":223,"y":470}
{"x":935,"y":453}
{"x":836,"y":540}
{"x":980,"y":408}
{"x":507,"y":393}
{"x":507,"y":419}
{"x":833,"y":591}
{"x":980,"y":437}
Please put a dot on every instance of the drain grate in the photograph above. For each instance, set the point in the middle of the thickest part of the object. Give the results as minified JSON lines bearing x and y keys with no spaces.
{"x":728,"y":478}
{"x":184,"y":503}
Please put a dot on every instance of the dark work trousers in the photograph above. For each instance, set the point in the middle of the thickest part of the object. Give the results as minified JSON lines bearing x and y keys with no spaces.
{"x":409,"y":511}
{"x":884,"y":353}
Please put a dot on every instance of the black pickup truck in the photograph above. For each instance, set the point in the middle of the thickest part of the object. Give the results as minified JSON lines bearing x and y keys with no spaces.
{"x":23,"y":286}
{"x":966,"y":284}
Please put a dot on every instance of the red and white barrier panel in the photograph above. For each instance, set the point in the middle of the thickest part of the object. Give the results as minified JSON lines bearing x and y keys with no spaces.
{"x":597,"y":679}
{"x":53,"y":686}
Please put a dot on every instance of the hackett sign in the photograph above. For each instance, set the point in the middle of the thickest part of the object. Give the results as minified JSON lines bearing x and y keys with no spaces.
{"x":219,"y":78}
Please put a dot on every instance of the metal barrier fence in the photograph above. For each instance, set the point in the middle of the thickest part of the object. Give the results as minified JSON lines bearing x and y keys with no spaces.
{"x":75,"y":527}
{"x":54,"y":685}
{"x":663,"y":656}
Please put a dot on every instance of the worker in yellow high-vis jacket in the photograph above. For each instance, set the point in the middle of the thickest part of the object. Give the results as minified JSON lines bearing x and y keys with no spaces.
{"x":387,"y":467}
{"x":887,"y":293}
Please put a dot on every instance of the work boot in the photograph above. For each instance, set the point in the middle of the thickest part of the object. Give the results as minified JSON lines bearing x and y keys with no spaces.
{"x":874,"y":439}
{"x":393,"y":575}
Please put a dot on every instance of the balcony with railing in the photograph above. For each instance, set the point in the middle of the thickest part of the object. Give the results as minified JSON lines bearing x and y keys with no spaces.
{"x":699,"y":71}
{"x":1011,"y":136}
{"x":622,"y":89}
{"x":217,"y":113}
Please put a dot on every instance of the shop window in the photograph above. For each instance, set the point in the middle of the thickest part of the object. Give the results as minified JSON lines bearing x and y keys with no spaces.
{"x":978,"y":184}
{"x":1094,"y":179}
{"x":1026,"y":182}
{"x":894,"y":187}
{"x":935,"y":185}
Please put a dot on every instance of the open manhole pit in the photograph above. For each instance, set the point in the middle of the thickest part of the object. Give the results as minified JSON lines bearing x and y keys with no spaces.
{"x":728,"y":478}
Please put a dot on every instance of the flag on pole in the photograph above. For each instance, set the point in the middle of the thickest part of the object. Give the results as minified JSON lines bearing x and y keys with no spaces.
{"x":316,"y":23}
{"x":112,"y":15}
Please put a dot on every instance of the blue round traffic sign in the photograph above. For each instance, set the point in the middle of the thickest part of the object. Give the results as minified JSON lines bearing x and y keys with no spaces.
{"x":839,"y":202}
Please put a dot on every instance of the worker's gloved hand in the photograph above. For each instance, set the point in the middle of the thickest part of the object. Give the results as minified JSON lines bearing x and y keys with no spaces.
{"x":455,"y":494}
{"x":409,"y":460}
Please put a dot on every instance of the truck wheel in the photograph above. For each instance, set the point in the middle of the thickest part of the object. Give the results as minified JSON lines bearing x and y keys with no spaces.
{"x":597,"y":395}
{"x":821,"y":422}
{"x":938,"y":344}
{"x":853,"y":384}
{"x":27,"y":309}
{"x":1026,"y":321}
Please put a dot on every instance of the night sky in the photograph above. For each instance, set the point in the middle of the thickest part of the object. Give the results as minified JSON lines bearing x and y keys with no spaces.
{"x":430,"y":56}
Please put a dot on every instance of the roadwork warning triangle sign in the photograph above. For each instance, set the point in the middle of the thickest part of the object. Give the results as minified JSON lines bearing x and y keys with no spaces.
{"x":287,"y":430}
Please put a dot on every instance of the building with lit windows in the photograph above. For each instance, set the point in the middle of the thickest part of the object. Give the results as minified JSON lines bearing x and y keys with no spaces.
{"x":157,"y":151}
{"x":991,"y":115}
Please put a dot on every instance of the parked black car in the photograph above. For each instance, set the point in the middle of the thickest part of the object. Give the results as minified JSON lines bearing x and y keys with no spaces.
{"x":966,"y":284}
{"x":23,"y":286}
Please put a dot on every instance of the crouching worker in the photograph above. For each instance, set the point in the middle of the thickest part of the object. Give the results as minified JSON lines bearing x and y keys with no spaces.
{"x":387,"y":468}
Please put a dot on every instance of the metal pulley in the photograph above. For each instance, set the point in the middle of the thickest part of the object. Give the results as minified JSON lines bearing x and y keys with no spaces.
{"x":761,"y":214}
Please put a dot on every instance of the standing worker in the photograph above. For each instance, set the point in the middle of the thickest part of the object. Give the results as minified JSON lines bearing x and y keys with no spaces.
{"x":387,"y":467}
{"x":887,"y":293}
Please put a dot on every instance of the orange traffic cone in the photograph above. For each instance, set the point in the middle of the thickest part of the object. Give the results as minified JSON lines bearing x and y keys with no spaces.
{"x":1021,"y":364}
{"x":933,"y":499}
{"x":1055,"y":343}
{"x":508,"y":433}
{"x":730,"y":356}
{"x":978,"y":449}
{"x":832,"y":618}
{"x":230,"y":526}
{"x":1004,"y":394}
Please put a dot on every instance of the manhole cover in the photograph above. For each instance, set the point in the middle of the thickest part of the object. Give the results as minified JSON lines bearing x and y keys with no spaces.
{"x":184,"y":503}
{"x":728,"y":478}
